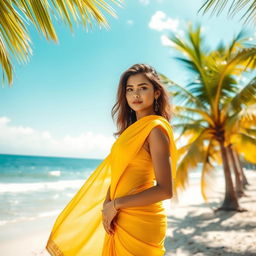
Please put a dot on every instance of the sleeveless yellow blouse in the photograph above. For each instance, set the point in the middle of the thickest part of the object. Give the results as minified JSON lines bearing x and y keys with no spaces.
{"x":128,"y":169}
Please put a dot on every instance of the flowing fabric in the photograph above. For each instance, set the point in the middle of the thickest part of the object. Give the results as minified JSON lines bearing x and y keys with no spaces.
{"x":127,"y":169}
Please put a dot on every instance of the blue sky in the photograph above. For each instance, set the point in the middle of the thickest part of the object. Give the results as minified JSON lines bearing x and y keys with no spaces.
{"x":60,"y":102}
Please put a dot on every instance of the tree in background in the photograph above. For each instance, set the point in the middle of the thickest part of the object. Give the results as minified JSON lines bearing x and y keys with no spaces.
{"x":216,"y":112}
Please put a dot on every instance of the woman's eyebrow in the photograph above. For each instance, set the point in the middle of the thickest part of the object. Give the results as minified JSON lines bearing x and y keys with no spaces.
{"x":130,"y":85}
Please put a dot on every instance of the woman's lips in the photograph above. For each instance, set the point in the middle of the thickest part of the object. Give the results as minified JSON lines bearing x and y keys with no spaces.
{"x":137,"y":102}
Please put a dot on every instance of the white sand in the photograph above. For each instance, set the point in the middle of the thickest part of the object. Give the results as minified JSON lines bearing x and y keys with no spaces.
{"x":193,"y":228}
{"x":25,"y":238}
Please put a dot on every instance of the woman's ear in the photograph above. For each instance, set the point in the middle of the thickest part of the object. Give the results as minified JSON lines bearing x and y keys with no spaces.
{"x":157,"y":94}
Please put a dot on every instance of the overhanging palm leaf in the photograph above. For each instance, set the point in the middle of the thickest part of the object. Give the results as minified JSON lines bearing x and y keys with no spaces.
{"x":15,"y":15}
{"x":236,"y":6}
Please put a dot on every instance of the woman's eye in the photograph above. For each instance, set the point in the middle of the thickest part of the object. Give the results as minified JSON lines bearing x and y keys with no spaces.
{"x":130,"y":89}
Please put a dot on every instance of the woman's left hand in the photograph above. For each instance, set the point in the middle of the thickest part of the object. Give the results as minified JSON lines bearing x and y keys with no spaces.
{"x":109,"y":214}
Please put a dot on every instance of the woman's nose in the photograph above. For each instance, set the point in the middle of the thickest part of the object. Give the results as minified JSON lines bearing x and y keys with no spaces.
{"x":135,"y":92}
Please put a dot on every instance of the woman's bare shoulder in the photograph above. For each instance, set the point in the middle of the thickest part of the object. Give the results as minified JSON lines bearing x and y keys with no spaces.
{"x":158,"y":133}
{"x":156,"y":136}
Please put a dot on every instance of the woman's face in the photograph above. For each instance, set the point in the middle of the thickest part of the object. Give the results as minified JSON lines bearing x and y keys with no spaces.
{"x":139,"y":88}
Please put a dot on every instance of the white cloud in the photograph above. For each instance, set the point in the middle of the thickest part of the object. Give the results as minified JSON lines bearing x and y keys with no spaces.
{"x":144,"y":2}
{"x":130,"y":22}
{"x":28,"y":141}
{"x":166,"y":41}
{"x":159,"y":21}
{"x":147,"y":2}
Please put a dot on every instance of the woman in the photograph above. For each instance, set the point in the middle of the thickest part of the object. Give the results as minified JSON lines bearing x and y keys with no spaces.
{"x":125,"y":193}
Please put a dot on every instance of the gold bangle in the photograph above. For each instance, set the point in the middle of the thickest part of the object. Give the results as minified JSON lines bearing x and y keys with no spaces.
{"x":114,"y":205}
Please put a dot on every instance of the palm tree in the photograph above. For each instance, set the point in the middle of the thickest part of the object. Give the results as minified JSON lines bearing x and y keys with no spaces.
{"x":15,"y":17}
{"x":206,"y":107}
{"x":236,"y":6}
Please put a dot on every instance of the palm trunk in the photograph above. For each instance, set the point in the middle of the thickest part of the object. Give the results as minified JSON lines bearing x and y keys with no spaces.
{"x":244,"y":179}
{"x":238,"y":175}
{"x":230,"y":201}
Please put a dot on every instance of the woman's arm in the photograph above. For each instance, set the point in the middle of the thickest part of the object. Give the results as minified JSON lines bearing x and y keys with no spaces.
{"x":107,"y":196}
{"x":160,"y":153}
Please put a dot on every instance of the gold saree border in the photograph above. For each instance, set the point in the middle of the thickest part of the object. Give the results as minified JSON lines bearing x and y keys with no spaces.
{"x":53,"y":248}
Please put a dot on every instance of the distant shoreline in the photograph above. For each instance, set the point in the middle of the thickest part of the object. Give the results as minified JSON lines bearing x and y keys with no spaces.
{"x":37,"y":156}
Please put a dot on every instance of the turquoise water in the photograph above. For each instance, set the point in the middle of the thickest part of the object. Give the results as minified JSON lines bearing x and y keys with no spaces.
{"x":35,"y":186}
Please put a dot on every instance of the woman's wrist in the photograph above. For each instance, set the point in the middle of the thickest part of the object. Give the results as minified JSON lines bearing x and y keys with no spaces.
{"x":106,"y":201}
{"x":117,"y":204}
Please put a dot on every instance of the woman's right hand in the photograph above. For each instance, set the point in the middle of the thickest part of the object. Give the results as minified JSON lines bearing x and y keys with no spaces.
{"x":108,"y":228}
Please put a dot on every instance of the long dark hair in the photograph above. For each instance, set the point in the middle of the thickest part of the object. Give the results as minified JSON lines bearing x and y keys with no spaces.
{"x":125,"y":115}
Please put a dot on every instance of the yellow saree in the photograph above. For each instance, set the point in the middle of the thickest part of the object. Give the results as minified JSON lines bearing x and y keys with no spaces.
{"x":139,"y":231}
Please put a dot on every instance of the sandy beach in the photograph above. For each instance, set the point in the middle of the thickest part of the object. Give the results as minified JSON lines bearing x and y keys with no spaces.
{"x":193,"y":227}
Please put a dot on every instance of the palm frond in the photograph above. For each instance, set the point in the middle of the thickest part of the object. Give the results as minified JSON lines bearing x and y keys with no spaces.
{"x":191,"y":48}
{"x":182,"y":93}
{"x":189,"y":126}
{"x":236,"y":43}
{"x":218,"y":6}
{"x":250,"y":131}
{"x":245,"y":145}
{"x":194,"y":111}
{"x":245,"y":118}
{"x":194,"y":155}
{"x":5,"y":61}
{"x":16,"y":16}
{"x":246,"y":97}
{"x":245,"y":57}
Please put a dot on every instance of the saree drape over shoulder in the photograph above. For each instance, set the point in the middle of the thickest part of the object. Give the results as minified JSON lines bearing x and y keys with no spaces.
{"x":127,"y":169}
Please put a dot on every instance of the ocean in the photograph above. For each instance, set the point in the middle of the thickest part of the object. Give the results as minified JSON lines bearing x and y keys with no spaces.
{"x":33,"y":187}
{"x":36,"y":186}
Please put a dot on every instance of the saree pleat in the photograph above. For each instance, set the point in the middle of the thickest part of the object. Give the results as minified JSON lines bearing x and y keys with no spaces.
{"x":128,"y":169}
